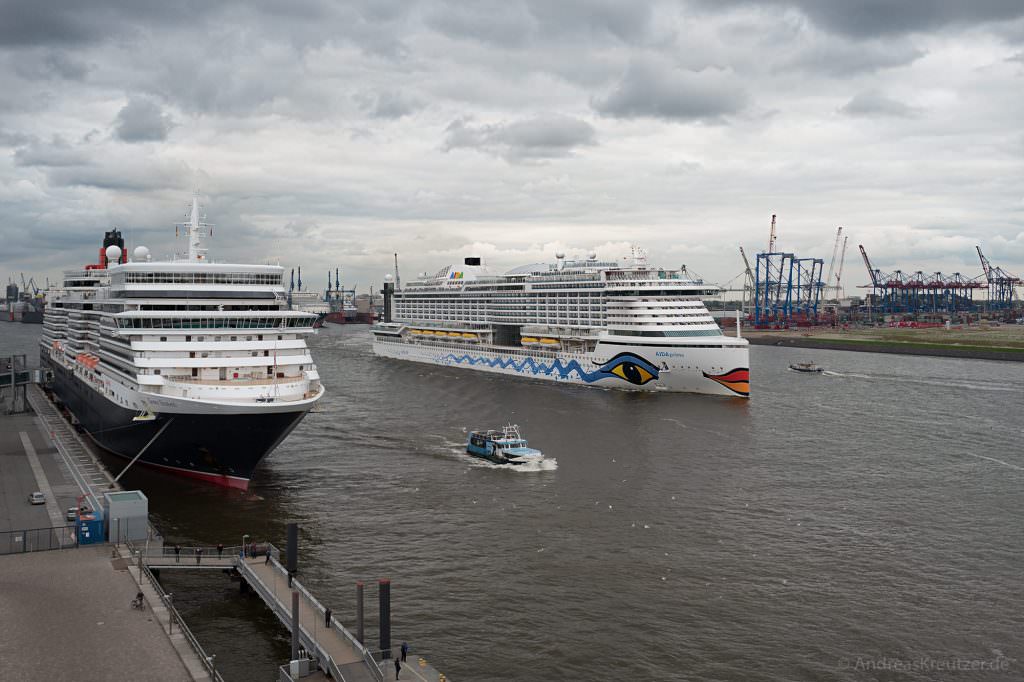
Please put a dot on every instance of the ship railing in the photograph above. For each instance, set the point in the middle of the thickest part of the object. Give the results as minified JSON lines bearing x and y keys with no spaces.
{"x":234,"y":382}
{"x":175,"y":618}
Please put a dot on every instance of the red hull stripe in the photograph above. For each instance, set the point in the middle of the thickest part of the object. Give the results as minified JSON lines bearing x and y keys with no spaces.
{"x":732,"y":375}
{"x":216,"y":479}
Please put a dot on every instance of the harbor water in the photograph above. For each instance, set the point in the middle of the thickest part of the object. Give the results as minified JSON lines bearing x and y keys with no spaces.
{"x":864,"y":523}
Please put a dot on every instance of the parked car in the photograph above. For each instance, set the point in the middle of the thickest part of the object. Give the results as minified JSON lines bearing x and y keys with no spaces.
{"x":72,"y":514}
{"x":36,"y":498}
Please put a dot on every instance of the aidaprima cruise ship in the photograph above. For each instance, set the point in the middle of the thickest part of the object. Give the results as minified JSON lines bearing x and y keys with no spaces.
{"x":631,"y":326}
{"x":196,"y":367}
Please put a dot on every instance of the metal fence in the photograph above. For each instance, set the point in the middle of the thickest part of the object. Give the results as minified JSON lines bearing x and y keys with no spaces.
{"x":37,"y":539}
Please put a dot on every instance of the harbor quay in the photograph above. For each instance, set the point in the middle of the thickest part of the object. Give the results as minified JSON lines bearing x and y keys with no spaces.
{"x":72,"y":565}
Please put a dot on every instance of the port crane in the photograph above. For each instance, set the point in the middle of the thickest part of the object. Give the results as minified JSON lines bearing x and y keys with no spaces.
{"x":832,"y":263}
{"x":1002,"y":286}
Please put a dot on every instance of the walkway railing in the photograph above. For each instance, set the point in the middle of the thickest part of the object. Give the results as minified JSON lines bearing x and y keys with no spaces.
{"x":175,"y":617}
{"x":37,"y":539}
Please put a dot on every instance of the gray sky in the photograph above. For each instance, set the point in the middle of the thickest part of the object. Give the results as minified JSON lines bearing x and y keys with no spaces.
{"x":329,"y":134}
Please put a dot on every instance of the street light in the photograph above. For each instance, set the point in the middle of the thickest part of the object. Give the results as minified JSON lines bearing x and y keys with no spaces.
{"x":244,"y":539}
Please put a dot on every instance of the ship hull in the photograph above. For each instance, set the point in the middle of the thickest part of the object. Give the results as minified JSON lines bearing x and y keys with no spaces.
{"x":222,"y":449}
{"x":711,"y":369}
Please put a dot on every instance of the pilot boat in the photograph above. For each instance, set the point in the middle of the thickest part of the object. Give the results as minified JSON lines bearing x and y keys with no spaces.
{"x":502,"y":447}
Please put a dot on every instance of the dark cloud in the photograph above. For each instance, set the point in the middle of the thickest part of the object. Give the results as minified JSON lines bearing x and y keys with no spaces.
{"x":13,"y":139}
{"x":50,"y":64}
{"x":840,"y":58}
{"x":871,"y":18}
{"x":655,"y":89}
{"x":57,"y":153}
{"x":388,"y":104}
{"x":142,"y":120}
{"x":543,"y":137}
{"x":873,"y":104}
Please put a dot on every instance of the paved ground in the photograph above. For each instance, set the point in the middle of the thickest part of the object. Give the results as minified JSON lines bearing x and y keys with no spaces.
{"x":29,"y":462}
{"x":66,"y":615}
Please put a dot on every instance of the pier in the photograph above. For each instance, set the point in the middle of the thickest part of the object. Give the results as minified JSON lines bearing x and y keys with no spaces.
{"x":42,"y":452}
{"x":334,"y":649}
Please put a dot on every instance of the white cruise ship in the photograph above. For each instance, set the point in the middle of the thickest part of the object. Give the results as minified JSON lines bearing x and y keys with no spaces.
{"x":631,"y":326}
{"x":188,"y":365}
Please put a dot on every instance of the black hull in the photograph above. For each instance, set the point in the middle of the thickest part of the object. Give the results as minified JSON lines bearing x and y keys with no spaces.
{"x":219,"y":449}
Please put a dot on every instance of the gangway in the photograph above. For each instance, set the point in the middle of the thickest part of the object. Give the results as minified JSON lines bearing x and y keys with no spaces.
{"x":335,"y":649}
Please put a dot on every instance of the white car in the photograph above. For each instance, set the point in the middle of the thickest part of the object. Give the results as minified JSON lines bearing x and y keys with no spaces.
{"x":72,"y":514}
{"x":36,"y":498}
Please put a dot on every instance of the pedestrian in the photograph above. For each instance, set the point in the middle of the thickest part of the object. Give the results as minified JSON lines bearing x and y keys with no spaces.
{"x":199,"y":554}
{"x":405,"y":651}
{"x":398,"y":668}
{"x":327,"y":618}
{"x":268,"y":557}
{"x":220,"y":549}
{"x":177,"y":554}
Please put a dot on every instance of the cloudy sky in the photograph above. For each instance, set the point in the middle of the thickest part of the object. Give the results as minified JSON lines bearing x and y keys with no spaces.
{"x":328,"y":134}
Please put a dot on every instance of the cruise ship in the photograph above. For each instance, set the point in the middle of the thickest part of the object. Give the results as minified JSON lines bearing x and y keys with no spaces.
{"x":583,"y":321}
{"x":192,"y":366}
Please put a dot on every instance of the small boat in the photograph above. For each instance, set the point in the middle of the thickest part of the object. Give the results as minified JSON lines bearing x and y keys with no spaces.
{"x":808,"y":367}
{"x":502,"y":447}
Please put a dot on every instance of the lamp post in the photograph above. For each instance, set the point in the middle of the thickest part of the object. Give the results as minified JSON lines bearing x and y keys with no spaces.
{"x":244,"y":539}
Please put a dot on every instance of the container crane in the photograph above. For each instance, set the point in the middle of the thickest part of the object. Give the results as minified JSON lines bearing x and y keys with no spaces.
{"x":771,"y":237}
{"x":1002,"y":286}
{"x":749,"y":283}
{"x":839,"y":273}
{"x":832,"y":263}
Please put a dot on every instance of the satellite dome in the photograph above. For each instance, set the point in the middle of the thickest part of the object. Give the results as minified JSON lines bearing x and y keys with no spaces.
{"x":388,"y":277}
{"x":592,"y":255}
{"x":560,"y":254}
{"x":113,"y":253}
{"x":140,"y":253}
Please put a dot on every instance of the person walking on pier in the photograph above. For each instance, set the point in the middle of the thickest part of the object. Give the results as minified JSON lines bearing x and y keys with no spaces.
{"x":327,"y":618}
{"x":199,"y":555}
{"x":220,"y":549}
{"x":398,"y":668}
{"x":268,"y":557}
{"x":177,"y":554}
{"x":405,"y":651}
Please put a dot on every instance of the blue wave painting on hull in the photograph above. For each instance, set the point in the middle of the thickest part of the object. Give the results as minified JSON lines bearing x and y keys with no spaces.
{"x":626,"y":366}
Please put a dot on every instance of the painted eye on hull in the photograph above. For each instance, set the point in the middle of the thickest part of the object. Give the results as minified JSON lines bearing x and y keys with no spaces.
{"x":631,"y":368}
{"x":634,"y":374}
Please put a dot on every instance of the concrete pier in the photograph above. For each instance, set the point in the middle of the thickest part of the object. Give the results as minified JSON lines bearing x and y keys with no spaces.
{"x":66,"y":609}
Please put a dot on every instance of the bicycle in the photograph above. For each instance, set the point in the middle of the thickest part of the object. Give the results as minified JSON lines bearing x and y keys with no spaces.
{"x":139,"y":602}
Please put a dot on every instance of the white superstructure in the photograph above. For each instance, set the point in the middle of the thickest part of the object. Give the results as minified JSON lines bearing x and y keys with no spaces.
{"x":184,"y":339}
{"x":631,"y":326}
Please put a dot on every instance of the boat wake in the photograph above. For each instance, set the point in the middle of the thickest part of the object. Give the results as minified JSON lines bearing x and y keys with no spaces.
{"x":546,"y":464}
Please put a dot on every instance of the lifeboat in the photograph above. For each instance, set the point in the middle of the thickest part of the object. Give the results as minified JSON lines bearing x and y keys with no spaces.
{"x":549,"y":342}
{"x":467,"y":335}
{"x":457,"y":335}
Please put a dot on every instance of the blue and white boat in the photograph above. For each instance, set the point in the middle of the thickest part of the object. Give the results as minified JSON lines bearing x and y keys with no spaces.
{"x":502,"y":447}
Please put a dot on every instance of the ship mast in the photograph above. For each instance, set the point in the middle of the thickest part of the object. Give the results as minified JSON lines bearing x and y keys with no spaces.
{"x":196,"y":229}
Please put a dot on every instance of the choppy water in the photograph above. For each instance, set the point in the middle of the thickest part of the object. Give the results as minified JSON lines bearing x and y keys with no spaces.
{"x":831,"y":526}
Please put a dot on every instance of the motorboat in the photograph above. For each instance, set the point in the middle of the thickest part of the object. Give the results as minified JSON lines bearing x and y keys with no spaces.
{"x":502,"y":447}
{"x":808,"y":367}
